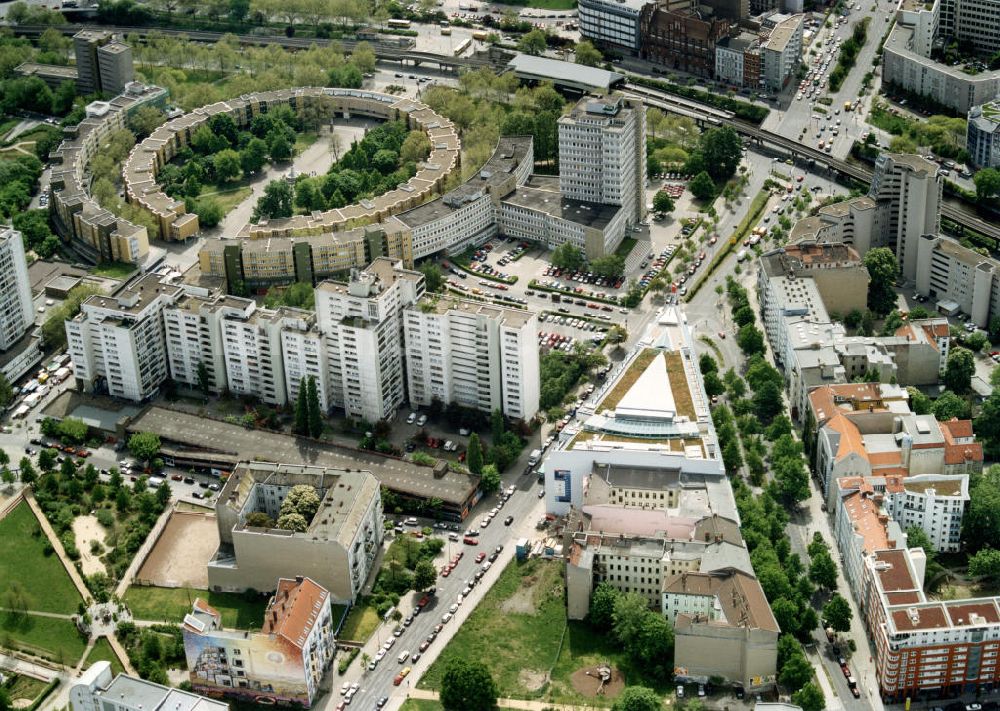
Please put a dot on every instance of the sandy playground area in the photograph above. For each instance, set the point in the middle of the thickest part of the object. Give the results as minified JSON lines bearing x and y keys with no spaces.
{"x":180,"y":556}
{"x":85,"y":530}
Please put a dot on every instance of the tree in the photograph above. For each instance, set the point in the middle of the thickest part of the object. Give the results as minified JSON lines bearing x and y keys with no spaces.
{"x":837,"y":613}
{"x":587,"y":54}
{"x":489,"y":479}
{"x":433,"y":278}
{"x":987,"y":425}
{"x":882,"y":271}
{"x":750,"y":340}
{"x":144,"y":445}
{"x":279,"y":147}
{"x":823,"y":570}
{"x":950,"y":405}
{"x":467,"y":685}
{"x":722,"y":150}
{"x":226,"y":164}
{"x":981,"y":524}
{"x":628,"y":617}
{"x":920,"y":404}
{"x":424,"y":575}
{"x":959,"y":370}
{"x":259,"y":519}
{"x":204,"y":380}
{"x":611,"y":266}
{"x":985,"y":564}
{"x":975,"y":341}
{"x":313,"y":408}
{"x":567,"y":256}
{"x":638,"y":698}
{"x":301,"y":499}
{"x":73,"y":430}
{"x":474,"y":457}
{"x":301,"y":424}
{"x":987,"y":182}
{"x":292,"y":522}
{"x":416,"y":147}
{"x":791,"y":481}
{"x":253,"y":156}
{"x":809,"y":698}
{"x":533,"y":43}
{"x":28,"y":474}
{"x":209,"y":212}
{"x":702,"y":187}
{"x":767,"y":402}
{"x":275,"y":202}
{"x":602,"y":606}
{"x":6,"y":391}
{"x":796,"y":672}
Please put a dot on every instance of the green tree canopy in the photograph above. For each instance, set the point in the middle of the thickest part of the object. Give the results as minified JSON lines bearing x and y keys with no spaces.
{"x":987,"y":182}
{"x":567,"y":256}
{"x":702,"y":186}
{"x":433,"y":277}
{"x":489,"y":479}
{"x":602,"y":606}
{"x":809,"y":698}
{"x":950,"y":405}
{"x":638,"y":698}
{"x":275,"y":202}
{"x":882,"y":270}
{"x":960,"y":368}
{"x":662,"y":202}
{"x":467,"y":685}
{"x":533,"y":42}
{"x":837,"y":613}
{"x":587,"y":54}
{"x":144,"y":445}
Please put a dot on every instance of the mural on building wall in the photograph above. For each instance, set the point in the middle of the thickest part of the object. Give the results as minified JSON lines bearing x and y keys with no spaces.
{"x":257,"y":668}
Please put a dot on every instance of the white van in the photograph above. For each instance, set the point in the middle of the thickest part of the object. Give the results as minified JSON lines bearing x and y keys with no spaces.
{"x":535,"y":457}
{"x":403,"y":656}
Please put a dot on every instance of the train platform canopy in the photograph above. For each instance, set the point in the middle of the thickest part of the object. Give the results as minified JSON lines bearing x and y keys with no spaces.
{"x":564,"y":74}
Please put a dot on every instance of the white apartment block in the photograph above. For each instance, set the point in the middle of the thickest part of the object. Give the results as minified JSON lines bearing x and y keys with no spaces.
{"x":193,"y":330}
{"x":252,"y":350}
{"x":303,"y":356}
{"x":98,"y":689}
{"x":958,"y":278}
{"x":935,"y":503}
{"x":117,"y":342}
{"x":477,"y":355}
{"x":17,"y":315}
{"x":983,"y":135}
{"x":781,"y":52}
{"x":611,"y":22}
{"x":362,"y":326}
{"x":602,"y":153}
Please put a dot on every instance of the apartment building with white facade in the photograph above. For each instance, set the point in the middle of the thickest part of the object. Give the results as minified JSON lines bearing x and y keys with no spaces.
{"x":338,"y":548}
{"x":98,"y":689}
{"x":19,"y":350}
{"x":362,"y":326}
{"x":283,"y":663}
{"x":781,"y":51}
{"x":602,"y":153}
{"x":117,"y":342}
{"x":983,"y":135}
{"x":472,"y":353}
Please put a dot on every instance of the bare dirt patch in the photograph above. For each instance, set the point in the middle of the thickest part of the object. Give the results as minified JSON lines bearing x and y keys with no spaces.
{"x":181,"y":554}
{"x":587,"y":682}
{"x":532,"y":679}
{"x":522,"y":602}
{"x":86,"y":529}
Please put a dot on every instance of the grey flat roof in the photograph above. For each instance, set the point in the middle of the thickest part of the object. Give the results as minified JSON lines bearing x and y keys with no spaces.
{"x":565,"y":73}
{"x":542,"y":193}
{"x":242,"y":444}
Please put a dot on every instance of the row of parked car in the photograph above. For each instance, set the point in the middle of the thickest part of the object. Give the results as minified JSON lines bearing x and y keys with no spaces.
{"x":581,"y":277}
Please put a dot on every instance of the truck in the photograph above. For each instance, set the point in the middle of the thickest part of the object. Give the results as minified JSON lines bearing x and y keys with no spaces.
{"x":847,"y":106}
{"x":535,"y":457}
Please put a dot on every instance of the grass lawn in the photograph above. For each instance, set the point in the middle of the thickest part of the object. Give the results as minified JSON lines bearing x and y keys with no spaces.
{"x":228,"y":198}
{"x":23,"y":560}
{"x":114,"y":270}
{"x":679,"y":385}
{"x":24,"y":687}
{"x":421,"y":705}
{"x":102,"y":652}
{"x":303,"y":140}
{"x":360,"y":623}
{"x":625,"y":248}
{"x":54,"y":638}
{"x":516,"y":629}
{"x":171,"y":604}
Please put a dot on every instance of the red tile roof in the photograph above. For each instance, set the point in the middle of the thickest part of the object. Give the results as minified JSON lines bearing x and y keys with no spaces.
{"x":295,"y":609}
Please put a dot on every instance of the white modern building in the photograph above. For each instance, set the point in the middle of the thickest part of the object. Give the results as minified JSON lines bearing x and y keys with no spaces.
{"x":362,"y":325}
{"x":19,"y":349}
{"x":781,"y":52}
{"x":602,"y":153}
{"x":983,"y":135}
{"x":98,"y":689}
{"x":17,"y":315}
{"x":475,"y":354}
{"x":610,"y":23}
{"x":117,"y":342}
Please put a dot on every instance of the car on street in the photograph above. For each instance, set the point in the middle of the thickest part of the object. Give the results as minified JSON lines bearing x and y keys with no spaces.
{"x":509,"y":520}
